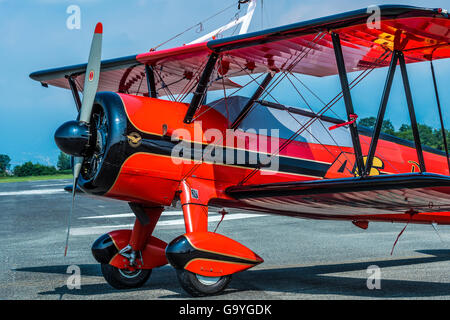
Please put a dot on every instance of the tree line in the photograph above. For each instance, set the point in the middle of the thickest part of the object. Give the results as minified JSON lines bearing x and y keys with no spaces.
{"x":428,"y":136}
{"x":34,"y":169}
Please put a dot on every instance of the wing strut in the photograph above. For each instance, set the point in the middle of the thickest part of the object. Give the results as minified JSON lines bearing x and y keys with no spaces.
{"x":76,"y":96}
{"x":381,"y":112}
{"x":150,"y":81}
{"x":444,"y":136}
{"x":397,"y":56}
{"x":247,"y":108}
{"x":202,"y":87}
{"x":412,"y":115}
{"x":348,"y":101}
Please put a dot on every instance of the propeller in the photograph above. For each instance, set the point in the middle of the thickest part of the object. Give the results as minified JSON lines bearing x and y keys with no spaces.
{"x":74,"y":137}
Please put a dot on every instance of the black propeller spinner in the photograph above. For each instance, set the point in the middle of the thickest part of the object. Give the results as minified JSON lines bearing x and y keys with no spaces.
{"x":74,"y":138}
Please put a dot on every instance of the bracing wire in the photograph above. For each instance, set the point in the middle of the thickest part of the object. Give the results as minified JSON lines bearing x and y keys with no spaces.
{"x":356,"y":81}
{"x":199,"y":24}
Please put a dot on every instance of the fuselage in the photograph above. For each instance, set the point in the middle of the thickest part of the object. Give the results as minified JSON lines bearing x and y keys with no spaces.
{"x":149,"y":150}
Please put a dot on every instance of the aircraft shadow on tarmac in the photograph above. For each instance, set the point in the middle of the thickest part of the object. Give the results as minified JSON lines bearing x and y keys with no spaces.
{"x":311,"y":280}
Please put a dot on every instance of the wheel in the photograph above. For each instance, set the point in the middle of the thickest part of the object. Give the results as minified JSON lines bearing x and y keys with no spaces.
{"x":123,"y":278}
{"x":199,"y":286}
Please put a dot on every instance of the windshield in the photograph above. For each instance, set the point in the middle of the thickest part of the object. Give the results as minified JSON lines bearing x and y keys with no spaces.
{"x":288,"y":121}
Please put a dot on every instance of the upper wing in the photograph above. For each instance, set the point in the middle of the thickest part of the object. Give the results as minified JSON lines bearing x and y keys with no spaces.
{"x":420,"y":33}
{"x":303,"y":47}
{"x":176,"y":71}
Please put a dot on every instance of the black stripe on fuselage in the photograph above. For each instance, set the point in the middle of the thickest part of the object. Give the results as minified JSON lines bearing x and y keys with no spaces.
{"x":163,"y":145}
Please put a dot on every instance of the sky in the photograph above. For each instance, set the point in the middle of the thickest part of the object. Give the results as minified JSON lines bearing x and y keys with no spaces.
{"x":35,"y":36}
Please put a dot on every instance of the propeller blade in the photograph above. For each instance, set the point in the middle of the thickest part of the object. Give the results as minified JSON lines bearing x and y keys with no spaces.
{"x":77,"y":162}
{"x":69,"y":218}
{"x":92,"y":75}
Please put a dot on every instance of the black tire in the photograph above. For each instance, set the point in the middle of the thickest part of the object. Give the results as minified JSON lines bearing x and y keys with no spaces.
{"x":124,"y":279}
{"x":196,"y":288}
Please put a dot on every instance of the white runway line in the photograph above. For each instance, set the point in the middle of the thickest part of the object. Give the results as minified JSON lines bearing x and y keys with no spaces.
{"x":102,"y":229}
{"x":32,"y":192}
{"x":51,"y":185}
{"x":131,"y":214}
{"x":118,"y":215}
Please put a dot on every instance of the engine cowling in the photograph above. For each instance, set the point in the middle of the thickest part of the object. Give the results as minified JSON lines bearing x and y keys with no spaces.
{"x":107,"y":144}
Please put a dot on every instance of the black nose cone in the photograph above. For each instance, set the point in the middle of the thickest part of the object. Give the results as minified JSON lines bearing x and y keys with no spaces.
{"x":73,"y":138}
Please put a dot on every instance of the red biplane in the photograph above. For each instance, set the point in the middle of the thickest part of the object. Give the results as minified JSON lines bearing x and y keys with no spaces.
{"x":129,"y":143}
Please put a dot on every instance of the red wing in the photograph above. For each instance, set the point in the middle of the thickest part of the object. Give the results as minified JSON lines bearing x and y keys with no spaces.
{"x":176,"y":71}
{"x":351,"y":197}
{"x":303,"y":47}
{"x":419,"y":33}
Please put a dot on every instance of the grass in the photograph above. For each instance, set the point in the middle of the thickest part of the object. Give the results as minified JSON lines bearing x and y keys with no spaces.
{"x":35,"y":178}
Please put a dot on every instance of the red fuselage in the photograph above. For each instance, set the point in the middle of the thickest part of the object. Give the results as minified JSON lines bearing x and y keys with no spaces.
{"x":147,"y":171}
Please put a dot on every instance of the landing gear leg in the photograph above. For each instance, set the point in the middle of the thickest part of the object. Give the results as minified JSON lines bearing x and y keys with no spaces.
{"x":196,"y":220}
{"x":134,"y":276}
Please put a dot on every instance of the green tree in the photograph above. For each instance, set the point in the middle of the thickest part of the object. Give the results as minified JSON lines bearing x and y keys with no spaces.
{"x":24,"y":170}
{"x":63,"y":161}
{"x":4,"y":163}
{"x":30,"y":169}
{"x":428,"y":136}
{"x":440,"y":143}
{"x":386,"y":127}
{"x":367,"y":122}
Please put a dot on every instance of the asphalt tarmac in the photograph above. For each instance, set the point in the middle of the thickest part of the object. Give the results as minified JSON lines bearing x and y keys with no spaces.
{"x":304,"y":259}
